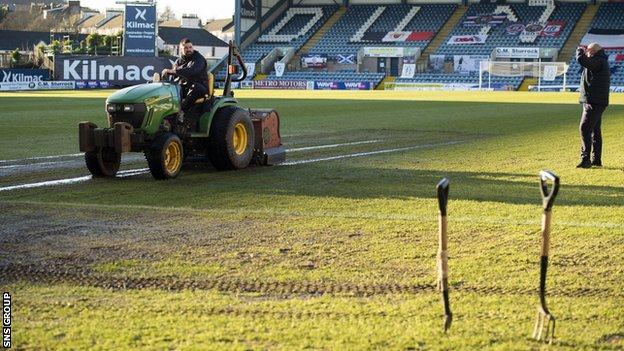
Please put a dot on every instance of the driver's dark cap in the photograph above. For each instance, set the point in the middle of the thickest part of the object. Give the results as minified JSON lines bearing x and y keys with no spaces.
{"x":185,"y":41}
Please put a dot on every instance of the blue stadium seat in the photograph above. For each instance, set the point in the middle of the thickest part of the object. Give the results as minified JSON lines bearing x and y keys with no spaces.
{"x":337,"y":40}
{"x":608,"y":16}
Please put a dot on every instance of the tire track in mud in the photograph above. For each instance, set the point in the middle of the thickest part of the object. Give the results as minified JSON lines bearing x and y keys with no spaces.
{"x":86,"y":277}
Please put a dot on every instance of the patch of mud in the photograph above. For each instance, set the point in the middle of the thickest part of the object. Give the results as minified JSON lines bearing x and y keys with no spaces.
{"x":50,"y":244}
{"x":614,"y":339}
{"x":39,"y":235}
{"x":63,"y":274}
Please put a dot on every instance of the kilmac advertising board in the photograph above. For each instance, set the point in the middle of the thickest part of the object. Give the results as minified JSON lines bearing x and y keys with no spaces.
{"x":140,"y":31}
{"x":117,"y":70}
{"x":10,"y":75}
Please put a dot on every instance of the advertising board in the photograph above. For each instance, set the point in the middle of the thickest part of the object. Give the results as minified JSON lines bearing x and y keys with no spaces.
{"x":118,"y":70}
{"x":140,"y":30}
{"x":8,"y":75}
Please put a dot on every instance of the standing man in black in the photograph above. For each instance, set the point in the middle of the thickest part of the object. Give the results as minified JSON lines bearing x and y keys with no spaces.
{"x":193,"y":69}
{"x":594,"y":89}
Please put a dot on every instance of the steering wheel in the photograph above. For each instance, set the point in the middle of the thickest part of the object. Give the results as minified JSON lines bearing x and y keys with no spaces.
{"x":174,"y":78}
{"x":179,"y":80}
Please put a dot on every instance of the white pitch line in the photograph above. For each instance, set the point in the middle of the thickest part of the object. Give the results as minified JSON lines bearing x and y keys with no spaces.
{"x":370,"y":153}
{"x":318,"y":147}
{"x":121,"y":174}
{"x":38,"y":164}
{"x":40,"y":158}
{"x":307,"y":148}
{"x":46,"y":183}
{"x":33,"y":164}
{"x":132,"y":172}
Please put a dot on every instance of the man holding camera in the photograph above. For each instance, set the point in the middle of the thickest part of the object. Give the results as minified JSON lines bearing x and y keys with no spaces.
{"x":594,"y":89}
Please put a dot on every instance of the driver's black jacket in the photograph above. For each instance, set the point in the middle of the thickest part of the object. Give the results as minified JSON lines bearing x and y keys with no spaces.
{"x":193,"y":68}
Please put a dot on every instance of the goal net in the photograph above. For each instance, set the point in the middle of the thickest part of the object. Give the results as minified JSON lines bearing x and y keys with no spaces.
{"x":547,"y":74}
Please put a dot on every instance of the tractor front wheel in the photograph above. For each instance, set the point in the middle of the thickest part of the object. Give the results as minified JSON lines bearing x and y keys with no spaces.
{"x":164,"y":156}
{"x":103,"y":162}
{"x":231,"y":139}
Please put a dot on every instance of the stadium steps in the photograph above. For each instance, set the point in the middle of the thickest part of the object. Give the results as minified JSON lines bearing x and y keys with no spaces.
{"x":526,"y":82}
{"x":582,"y":26}
{"x":316,"y":37}
{"x":382,"y":84}
{"x":435,"y":43}
{"x":260,"y":76}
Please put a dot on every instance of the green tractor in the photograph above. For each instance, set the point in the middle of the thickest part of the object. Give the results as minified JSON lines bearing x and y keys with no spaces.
{"x":144,"y":118}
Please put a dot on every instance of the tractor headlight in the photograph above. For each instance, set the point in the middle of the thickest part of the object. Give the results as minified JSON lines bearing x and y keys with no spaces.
{"x":128,"y":108}
{"x":111,"y":108}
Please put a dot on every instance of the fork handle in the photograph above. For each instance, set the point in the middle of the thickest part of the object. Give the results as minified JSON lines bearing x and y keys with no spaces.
{"x":546,"y":225}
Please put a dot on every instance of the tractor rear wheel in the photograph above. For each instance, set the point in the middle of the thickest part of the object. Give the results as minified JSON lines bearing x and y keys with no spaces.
{"x":231,"y":139}
{"x":103,"y":162}
{"x":164,"y":157}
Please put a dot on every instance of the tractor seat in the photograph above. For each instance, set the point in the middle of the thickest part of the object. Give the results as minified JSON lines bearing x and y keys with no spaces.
{"x":210,"y":92}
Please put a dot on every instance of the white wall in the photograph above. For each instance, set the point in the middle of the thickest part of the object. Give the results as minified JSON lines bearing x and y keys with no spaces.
{"x":109,"y":31}
{"x":190,"y":22}
{"x":378,"y":2}
{"x":416,"y":2}
{"x":359,"y":2}
{"x":206,"y":51}
{"x":315,"y":2}
{"x":220,"y":52}
{"x":227,"y":36}
{"x":366,"y":2}
{"x":267,"y":5}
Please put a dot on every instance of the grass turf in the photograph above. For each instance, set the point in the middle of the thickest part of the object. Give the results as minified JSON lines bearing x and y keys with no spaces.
{"x":324,"y":254}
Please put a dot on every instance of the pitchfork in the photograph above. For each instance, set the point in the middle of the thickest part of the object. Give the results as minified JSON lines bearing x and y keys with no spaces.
{"x":545,"y":320}
{"x":443,"y":190}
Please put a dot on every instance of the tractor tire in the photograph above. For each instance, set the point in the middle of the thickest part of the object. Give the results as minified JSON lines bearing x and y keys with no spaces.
{"x":231,"y":139}
{"x":103,"y":162}
{"x":164,"y":157}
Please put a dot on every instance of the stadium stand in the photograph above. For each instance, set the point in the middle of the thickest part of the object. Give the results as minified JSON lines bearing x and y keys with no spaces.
{"x":343,"y":37}
{"x":416,"y":25}
{"x":609,"y":16}
{"x":292,"y":29}
{"x":499,"y":36}
{"x":420,"y":18}
{"x":342,"y":76}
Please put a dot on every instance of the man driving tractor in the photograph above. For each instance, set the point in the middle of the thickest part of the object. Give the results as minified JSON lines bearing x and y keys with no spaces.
{"x":191,"y":69}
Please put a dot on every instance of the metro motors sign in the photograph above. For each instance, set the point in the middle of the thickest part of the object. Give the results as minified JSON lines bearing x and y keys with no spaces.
{"x":140,"y":30}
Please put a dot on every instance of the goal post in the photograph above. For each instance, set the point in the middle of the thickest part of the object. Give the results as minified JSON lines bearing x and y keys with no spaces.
{"x":545,"y":72}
